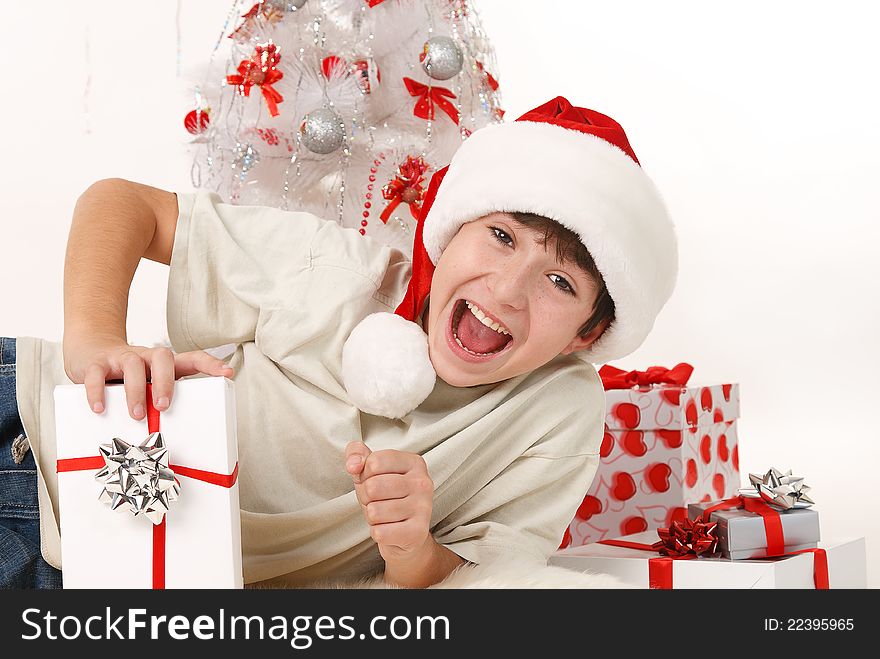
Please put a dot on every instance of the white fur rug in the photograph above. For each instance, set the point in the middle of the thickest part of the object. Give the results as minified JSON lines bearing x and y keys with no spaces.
{"x":508,"y":573}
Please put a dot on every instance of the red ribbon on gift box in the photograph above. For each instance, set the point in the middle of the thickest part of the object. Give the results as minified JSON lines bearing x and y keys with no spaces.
{"x":97,"y":462}
{"x":660,"y":569}
{"x":615,"y":378}
{"x":772,"y":520}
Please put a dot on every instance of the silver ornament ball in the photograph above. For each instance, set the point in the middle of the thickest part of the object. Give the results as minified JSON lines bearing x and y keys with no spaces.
{"x":441,"y":58}
{"x":286,"y":5}
{"x":322,"y":131}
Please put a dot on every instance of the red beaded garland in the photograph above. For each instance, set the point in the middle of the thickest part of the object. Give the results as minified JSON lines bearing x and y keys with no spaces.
{"x":377,"y":162}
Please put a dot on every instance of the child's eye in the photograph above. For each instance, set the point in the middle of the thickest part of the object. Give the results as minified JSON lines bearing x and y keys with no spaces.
{"x":498,"y":233}
{"x":561,"y":283}
{"x":564,"y":286}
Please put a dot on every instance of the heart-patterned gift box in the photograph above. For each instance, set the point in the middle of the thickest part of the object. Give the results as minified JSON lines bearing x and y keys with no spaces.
{"x":666,"y":444}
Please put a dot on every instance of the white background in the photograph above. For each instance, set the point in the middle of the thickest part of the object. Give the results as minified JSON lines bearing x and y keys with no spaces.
{"x":759,"y":121}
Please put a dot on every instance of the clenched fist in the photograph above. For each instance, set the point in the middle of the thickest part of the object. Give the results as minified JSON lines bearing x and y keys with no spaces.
{"x":396,"y":495}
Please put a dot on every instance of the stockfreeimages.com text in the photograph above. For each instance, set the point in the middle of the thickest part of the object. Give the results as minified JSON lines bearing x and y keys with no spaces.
{"x":300,"y":631}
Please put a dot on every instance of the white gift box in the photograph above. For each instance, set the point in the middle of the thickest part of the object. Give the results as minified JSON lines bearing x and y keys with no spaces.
{"x":102,"y":548}
{"x":846,"y":566}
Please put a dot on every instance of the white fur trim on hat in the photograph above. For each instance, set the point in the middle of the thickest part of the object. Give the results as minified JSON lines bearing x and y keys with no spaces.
{"x":386,"y":367}
{"x":589,"y":186}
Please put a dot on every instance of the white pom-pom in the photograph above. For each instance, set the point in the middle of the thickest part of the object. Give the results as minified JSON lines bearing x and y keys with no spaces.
{"x":386,"y":368}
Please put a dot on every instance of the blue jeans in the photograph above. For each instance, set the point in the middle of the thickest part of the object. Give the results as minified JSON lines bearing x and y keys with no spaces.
{"x":21,"y":563}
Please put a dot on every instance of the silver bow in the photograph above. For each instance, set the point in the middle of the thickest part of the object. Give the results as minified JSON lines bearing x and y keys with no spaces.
{"x":137,"y":478}
{"x":781,"y":490}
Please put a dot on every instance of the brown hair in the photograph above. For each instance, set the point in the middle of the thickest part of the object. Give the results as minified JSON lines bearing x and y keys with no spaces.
{"x":570,"y":249}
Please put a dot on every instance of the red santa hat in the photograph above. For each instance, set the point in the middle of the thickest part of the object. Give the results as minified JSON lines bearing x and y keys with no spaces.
{"x":570,"y":164}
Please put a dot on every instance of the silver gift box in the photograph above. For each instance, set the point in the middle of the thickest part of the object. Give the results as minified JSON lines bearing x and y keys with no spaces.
{"x":741,"y":533}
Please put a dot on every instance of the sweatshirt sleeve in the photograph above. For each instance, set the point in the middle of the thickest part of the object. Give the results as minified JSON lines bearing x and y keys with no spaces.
{"x":228,"y":264}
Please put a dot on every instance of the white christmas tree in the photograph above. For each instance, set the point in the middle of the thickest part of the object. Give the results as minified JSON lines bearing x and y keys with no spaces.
{"x":342,"y":108}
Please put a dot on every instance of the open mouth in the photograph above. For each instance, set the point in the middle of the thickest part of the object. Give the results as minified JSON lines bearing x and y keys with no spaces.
{"x":473,"y":336}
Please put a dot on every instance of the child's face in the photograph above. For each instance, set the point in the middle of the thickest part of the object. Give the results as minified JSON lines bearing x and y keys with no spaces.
{"x":504,"y":268}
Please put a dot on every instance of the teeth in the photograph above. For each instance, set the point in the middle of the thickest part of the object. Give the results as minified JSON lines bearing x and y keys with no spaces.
{"x":477,"y":354}
{"x":501,"y":329}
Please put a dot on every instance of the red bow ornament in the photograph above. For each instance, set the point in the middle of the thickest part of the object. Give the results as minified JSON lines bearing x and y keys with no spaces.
{"x":489,"y":79}
{"x":261,"y":70}
{"x":686,"y":537}
{"x":406,"y":187}
{"x":250,"y":26}
{"x":615,"y":378}
{"x":428,"y":97}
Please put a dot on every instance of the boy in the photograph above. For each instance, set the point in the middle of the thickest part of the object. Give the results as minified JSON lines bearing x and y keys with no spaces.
{"x":354,"y":457}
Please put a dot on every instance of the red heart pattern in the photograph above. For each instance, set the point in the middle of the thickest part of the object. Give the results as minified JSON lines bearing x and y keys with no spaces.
{"x":706,"y":399}
{"x":623,"y":486}
{"x":690,"y":413}
{"x":590,"y":506}
{"x":690,"y":478}
{"x":718,"y":484}
{"x":723,"y":453}
{"x":633,"y":525}
{"x":628,"y":414}
{"x":671,"y":395}
{"x":634,"y":443}
{"x":735,"y":457}
{"x":651,"y":408}
{"x":607,"y":444}
{"x":658,"y":476}
{"x":566,"y":539}
{"x":706,"y":449}
{"x":671,"y":438}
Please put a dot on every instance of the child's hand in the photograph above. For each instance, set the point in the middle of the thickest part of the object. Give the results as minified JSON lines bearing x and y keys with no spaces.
{"x":396,"y":495}
{"x":97,"y":359}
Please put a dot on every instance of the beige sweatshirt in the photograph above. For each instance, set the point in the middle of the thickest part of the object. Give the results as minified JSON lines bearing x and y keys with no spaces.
{"x":511,"y":461}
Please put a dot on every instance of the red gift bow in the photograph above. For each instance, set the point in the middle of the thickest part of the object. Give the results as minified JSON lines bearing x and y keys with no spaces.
{"x":260,"y":70}
{"x":428,"y":97}
{"x":615,"y":378}
{"x":660,"y":569}
{"x":687,"y":537}
{"x":406,"y":187}
{"x":97,"y":462}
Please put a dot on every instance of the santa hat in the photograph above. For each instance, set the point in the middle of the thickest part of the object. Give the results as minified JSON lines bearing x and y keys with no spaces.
{"x":570,"y":164}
